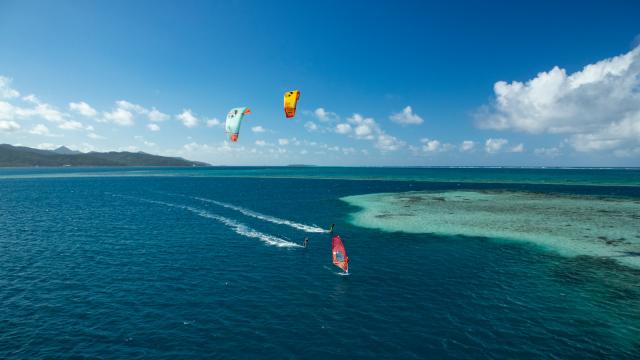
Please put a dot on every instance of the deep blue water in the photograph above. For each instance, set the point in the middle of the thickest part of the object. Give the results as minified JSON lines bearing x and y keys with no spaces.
{"x":127,"y":267}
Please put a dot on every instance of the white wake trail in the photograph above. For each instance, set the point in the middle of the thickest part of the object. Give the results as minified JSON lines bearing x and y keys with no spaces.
{"x":269,"y":218}
{"x":238,"y":227}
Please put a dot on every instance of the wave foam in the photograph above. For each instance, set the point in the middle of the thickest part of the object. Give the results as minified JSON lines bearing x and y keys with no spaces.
{"x":269,"y":218}
{"x":238,"y":227}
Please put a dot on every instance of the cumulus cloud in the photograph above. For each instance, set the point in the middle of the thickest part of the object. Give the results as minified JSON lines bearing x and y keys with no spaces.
{"x":343,"y":128}
{"x":11,"y":113}
{"x":188,"y":119}
{"x":47,"y":146}
{"x":433,"y":146}
{"x":95,"y":136}
{"x":550,"y":152}
{"x":31,"y":98}
{"x":517,"y":149}
{"x":157,"y":116}
{"x":153,"y":127}
{"x":406,"y":116}
{"x":598,"y":107}
{"x":386,"y":142}
{"x":213,"y":122}
{"x":310,"y":126}
{"x":71,"y":125}
{"x":283,"y":142}
{"x":83,"y":109}
{"x":9,"y":125}
{"x":467,"y":146}
{"x":324,"y":115}
{"x":430,"y":145}
{"x":123,"y":104}
{"x":119,"y":116}
{"x":258,"y":129}
{"x":261,"y":143}
{"x":493,"y":146}
{"x":40,"y":129}
{"x":364,"y":128}
{"x":5,"y":89}
{"x":125,"y":112}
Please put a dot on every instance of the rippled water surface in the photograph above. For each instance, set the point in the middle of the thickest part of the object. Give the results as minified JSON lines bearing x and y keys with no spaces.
{"x":212,"y":267}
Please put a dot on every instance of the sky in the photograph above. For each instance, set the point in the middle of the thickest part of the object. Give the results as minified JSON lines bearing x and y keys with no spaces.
{"x":388,"y":83}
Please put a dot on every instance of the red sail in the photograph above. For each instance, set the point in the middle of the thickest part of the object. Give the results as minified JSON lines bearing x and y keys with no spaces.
{"x":340,"y":258}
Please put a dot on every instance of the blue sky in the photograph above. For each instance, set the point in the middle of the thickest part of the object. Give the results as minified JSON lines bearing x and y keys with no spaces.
{"x":388,"y":83}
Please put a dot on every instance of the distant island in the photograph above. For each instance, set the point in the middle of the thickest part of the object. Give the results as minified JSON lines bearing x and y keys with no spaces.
{"x":22,"y":156}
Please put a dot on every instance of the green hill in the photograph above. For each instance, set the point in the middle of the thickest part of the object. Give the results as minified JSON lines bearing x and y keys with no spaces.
{"x":24,"y":156}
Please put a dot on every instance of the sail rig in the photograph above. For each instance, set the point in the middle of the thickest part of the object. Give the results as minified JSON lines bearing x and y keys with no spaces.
{"x":340,"y":258}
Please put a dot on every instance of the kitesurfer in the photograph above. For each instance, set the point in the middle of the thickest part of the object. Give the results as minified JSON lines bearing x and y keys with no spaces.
{"x":331,"y":229}
{"x":306,"y":242}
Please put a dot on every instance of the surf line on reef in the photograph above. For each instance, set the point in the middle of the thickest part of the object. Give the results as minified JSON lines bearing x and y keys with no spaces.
{"x":261,"y":216}
{"x":238,"y":227}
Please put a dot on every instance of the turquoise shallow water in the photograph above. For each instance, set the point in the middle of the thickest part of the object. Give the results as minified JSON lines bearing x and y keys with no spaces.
{"x":598,"y":226}
{"x":169,"y":266}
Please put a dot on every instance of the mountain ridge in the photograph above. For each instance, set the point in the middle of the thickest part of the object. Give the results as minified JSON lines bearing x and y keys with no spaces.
{"x":22,"y":156}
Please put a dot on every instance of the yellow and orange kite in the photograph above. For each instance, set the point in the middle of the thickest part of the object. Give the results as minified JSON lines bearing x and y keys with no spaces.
{"x":290,"y":102}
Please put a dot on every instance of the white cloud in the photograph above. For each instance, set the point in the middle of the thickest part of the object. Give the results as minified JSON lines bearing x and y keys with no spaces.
{"x":31,"y":98}
{"x":387,"y":142}
{"x":467,"y":145}
{"x":433,"y":146}
{"x":213,"y":122}
{"x":123,"y":104}
{"x":550,"y":152}
{"x":363,"y":131}
{"x":119,"y":116}
{"x":283,"y":142}
{"x":47,"y":146}
{"x":406,"y":116}
{"x":517,"y":149}
{"x":311,"y":126}
{"x":258,"y":129}
{"x":343,"y":128}
{"x":261,"y":143}
{"x":598,"y":106}
{"x":324,"y":115}
{"x":71,"y":125}
{"x":83,"y":109}
{"x":157,"y":116}
{"x":365,"y":128}
{"x":5,"y":89}
{"x":10,"y":112}
{"x":95,"y":136}
{"x":493,"y":146}
{"x":9,"y":125}
{"x":430,"y":145}
{"x":40,"y":129}
{"x":47,"y":112}
{"x":153,"y":127}
{"x":188,"y":119}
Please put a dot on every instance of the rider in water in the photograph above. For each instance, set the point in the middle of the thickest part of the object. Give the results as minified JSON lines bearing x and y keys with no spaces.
{"x":306,"y":241}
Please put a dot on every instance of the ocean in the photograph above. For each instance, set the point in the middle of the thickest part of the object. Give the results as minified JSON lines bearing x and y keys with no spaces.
{"x":208,"y":263}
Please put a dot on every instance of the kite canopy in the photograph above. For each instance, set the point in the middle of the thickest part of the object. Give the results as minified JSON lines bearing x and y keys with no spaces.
{"x":290,"y":103}
{"x":234,"y":120}
{"x":340,"y":258}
